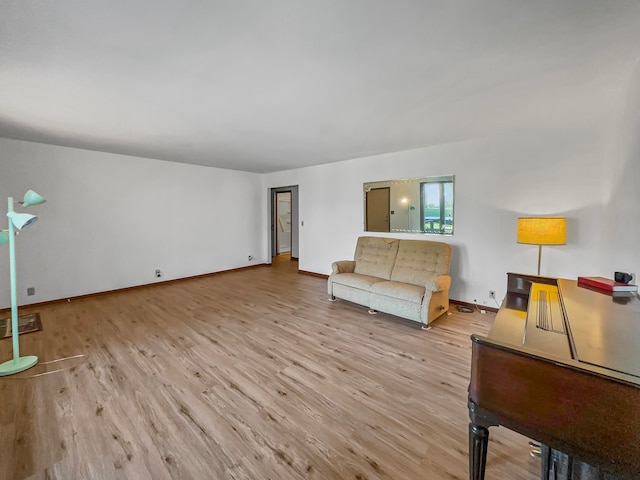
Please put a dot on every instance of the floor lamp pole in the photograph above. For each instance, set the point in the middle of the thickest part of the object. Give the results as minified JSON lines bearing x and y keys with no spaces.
{"x":18,"y":364}
{"x":539,"y":257}
{"x":14,"y":295}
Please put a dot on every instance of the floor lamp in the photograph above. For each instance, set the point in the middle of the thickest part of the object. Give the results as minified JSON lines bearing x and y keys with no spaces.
{"x":542,"y":231}
{"x":17,"y":221}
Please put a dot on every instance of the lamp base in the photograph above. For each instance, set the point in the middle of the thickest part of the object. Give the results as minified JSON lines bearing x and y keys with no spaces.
{"x":17,"y":365}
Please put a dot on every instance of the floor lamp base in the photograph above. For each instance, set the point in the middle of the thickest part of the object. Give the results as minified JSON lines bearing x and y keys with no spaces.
{"x":19,"y":365}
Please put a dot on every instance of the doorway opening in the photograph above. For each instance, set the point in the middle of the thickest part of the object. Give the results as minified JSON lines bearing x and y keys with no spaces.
{"x":284,"y":223}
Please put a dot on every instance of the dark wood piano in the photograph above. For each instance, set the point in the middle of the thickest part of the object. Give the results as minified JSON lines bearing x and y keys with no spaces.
{"x":561,"y":365}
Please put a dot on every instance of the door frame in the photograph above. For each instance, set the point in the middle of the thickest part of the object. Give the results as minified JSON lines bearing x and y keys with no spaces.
{"x":295,"y":243}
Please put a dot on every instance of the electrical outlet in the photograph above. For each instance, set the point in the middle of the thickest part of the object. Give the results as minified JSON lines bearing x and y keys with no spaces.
{"x":158,"y":273}
{"x":250,"y":258}
{"x":31,"y":291}
{"x":492,"y":294}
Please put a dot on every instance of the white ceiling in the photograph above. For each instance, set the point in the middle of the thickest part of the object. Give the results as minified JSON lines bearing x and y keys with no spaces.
{"x":268,"y":85}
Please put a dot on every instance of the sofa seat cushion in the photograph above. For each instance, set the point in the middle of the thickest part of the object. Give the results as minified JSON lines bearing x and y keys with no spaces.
{"x":355,"y":280}
{"x":399,"y":290}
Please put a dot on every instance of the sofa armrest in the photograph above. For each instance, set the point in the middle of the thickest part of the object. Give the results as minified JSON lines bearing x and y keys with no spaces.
{"x":343,"y":266}
{"x":439,"y":283}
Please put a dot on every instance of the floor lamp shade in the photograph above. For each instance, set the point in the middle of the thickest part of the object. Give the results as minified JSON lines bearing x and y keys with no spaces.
{"x":32,"y":198}
{"x":542,"y":231}
{"x":21,"y":220}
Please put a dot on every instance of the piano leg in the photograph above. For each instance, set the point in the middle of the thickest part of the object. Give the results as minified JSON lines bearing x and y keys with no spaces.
{"x":478,"y":444}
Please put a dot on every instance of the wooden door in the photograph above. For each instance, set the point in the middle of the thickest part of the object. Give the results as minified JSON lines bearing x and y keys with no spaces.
{"x":378,"y":210}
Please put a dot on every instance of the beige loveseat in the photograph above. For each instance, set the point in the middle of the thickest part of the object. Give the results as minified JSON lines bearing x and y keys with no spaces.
{"x":407,"y":278}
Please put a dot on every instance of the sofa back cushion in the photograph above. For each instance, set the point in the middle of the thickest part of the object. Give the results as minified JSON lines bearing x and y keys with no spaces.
{"x":375,"y":256}
{"x":419,"y":261}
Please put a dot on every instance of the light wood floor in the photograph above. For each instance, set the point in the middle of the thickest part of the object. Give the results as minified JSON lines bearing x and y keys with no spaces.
{"x":251,"y":374}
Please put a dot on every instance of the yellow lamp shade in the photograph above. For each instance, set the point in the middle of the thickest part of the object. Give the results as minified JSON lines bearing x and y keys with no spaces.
{"x":542,"y":230}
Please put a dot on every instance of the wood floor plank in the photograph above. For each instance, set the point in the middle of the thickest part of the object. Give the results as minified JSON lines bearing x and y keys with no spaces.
{"x":250,"y":374}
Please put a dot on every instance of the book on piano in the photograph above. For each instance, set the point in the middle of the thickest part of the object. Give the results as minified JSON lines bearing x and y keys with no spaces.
{"x":607,"y":284}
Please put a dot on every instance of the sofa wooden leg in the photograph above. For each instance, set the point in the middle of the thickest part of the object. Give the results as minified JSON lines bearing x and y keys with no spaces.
{"x":332,"y":298}
{"x":425,"y":326}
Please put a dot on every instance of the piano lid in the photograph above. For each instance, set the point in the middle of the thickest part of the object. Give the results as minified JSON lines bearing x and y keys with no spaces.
{"x":601,"y":331}
{"x":605,"y":328}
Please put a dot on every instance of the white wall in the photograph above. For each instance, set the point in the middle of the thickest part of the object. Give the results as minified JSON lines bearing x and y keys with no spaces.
{"x":111,"y":220}
{"x":496,"y":180}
